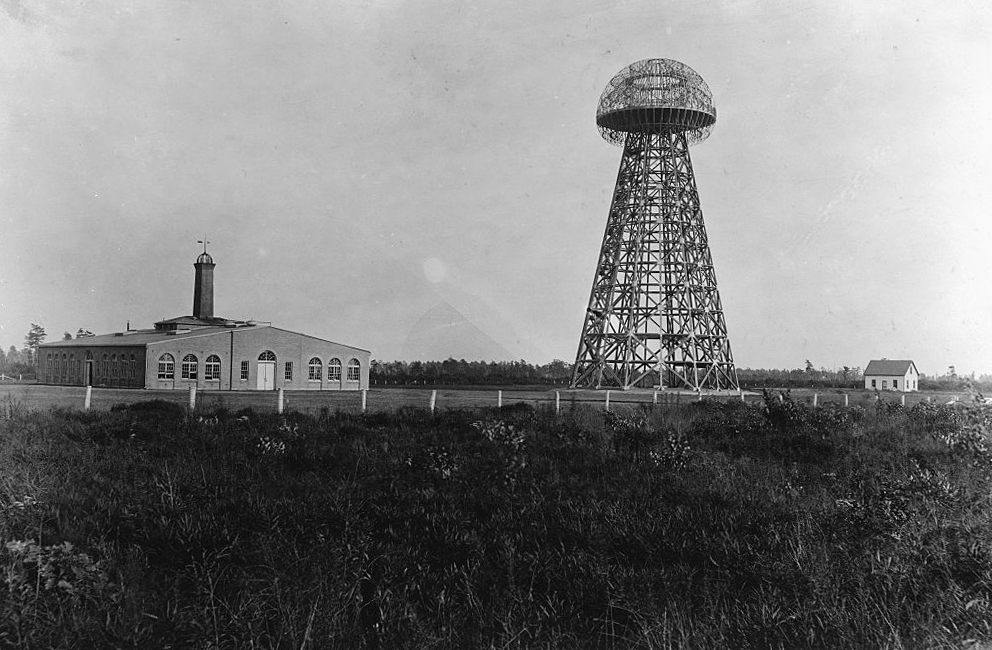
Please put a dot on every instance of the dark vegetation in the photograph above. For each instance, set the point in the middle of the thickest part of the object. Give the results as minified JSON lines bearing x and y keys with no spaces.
{"x":704,"y":525}
{"x":459,"y":372}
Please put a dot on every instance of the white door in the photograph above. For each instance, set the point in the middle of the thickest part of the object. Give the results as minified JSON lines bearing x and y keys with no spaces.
{"x":266,"y":375}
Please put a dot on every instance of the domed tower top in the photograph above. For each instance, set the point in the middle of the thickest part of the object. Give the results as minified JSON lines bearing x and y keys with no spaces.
{"x":654,"y":96}
{"x":203,"y":284}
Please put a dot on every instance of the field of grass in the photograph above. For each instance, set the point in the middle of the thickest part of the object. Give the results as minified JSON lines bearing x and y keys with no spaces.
{"x":712,"y":524}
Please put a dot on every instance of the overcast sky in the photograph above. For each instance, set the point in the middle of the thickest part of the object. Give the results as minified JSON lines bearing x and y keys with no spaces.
{"x":356,"y":164}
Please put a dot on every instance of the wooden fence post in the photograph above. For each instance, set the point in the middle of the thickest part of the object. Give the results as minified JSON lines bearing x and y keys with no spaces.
{"x":816,"y":399}
{"x":654,"y":399}
{"x":499,"y":399}
{"x":433,"y":399}
{"x":282,"y":402}
{"x":89,"y":396}
{"x":557,"y":403}
{"x":607,"y":401}
{"x":845,"y":399}
{"x":192,"y":398}
{"x":364,"y":397}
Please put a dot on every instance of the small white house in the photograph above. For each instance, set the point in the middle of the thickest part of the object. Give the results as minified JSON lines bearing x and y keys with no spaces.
{"x":892,"y":374}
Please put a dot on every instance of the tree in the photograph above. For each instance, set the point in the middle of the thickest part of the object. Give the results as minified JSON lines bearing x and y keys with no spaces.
{"x":66,"y":336}
{"x":81,"y":333}
{"x":34,"y":338}
{"x":809,"y":367}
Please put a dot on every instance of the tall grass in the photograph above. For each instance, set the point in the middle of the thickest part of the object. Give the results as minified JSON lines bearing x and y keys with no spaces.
{"x":703,"y":525}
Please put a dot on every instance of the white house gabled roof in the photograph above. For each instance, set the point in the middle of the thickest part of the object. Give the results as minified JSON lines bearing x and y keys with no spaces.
{"x":890,"y":367}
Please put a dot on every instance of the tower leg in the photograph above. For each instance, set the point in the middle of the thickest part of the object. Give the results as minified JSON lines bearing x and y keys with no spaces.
{"x":654,"y":315}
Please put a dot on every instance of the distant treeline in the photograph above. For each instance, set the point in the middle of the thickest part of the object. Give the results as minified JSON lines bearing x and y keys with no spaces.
{"x":460,"y":372}
{"x":469,"y":373}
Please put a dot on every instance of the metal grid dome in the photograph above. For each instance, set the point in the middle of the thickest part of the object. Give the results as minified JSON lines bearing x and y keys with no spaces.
{"x":656,"y":95}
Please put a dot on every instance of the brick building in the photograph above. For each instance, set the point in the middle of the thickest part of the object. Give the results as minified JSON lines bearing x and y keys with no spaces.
{"x":205,"y":351}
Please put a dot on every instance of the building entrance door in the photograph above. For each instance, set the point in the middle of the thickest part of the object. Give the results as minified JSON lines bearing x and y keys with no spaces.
{"x":266,"y":375}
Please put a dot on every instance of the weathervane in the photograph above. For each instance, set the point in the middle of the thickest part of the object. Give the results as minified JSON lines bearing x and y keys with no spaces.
{"x":204,"y":242}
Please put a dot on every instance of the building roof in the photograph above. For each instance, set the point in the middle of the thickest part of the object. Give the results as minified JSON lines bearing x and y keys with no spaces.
{"x":193,"y":321}
{"x":890,"y":367}
{"x":133,"y":338}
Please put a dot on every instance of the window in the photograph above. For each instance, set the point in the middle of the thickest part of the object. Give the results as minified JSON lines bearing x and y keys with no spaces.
{"x":873,"y":383}
{"x":166,"y":367}
{"x":48,"y":365}
{"x":113,"y":365}
{"x":885,"y":384}
{"x":189,"y":367}
{"x":334,"y":370}
{"x":316,"y":369}
{"x":289,"y":371}
{"x":354,"y":370}
{"x":244,"y":371}
{"x":105,"y":367}
{"x":64,"y":368}
{"x":130,"y":368}
{"x":895,"y":383}
{"x":72,"y":366}
{"x":267,"y":356}
{"x":211,"y":368}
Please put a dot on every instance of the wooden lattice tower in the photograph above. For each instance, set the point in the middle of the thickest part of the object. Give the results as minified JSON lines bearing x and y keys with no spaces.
{"x":654,"y":315}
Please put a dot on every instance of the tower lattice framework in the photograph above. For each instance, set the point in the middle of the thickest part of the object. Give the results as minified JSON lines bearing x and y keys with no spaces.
{"x":654,"y":315}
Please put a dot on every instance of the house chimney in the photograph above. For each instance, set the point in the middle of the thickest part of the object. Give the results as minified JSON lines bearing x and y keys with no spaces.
{"x":203,"y":286}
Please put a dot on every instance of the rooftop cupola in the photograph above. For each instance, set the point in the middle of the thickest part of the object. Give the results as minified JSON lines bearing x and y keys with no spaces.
{"x":203,"y":285}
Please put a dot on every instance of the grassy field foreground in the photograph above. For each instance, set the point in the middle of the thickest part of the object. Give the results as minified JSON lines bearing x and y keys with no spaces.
{"x":699,"y":525}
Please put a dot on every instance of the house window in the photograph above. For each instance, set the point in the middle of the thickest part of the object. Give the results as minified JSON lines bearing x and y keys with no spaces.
{"x":895,"y":383}
{"x":873,"y":383}
{"x":105,"y":367}
{"x":315,"y":369}
{"x":72,"y":366}
{"x":267,"y":356}
{"x":211,"y":368}
{"x":334,"y":370}
{"x":354,"y":370}
{"x":289,"y":371}
{"x":189,"y":367}
{"x":113,"y":366}
{"x":166,"y":367}
{"x":130,"y":368}
{"x":244,"y":371}
{"x":64,"y":369}
{"x":885,"y":384}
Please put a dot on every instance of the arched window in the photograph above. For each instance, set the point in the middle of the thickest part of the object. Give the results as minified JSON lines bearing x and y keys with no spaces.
{"x":166,"y":367}
{"x":113,"y":365}
{"x":354,"y":370}
{"x":315,"y":368}
{"x":64,"y":367}
{"x":105,"y":366}
{"x":48,"y":366}
{"x":334,"y":370}
{"x":211,"y":369}
{"x":189,"y":366}
{"x":72,"y":366}
{"x":267,"y":356}
{"x":130,"y":369}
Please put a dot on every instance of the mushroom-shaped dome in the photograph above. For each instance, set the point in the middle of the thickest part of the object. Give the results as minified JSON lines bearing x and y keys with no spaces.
{"x":656,"y":95}
{"x":204,"y":258}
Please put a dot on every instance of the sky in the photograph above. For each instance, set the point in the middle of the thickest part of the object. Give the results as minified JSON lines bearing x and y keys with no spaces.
{"x":359,"y":166}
